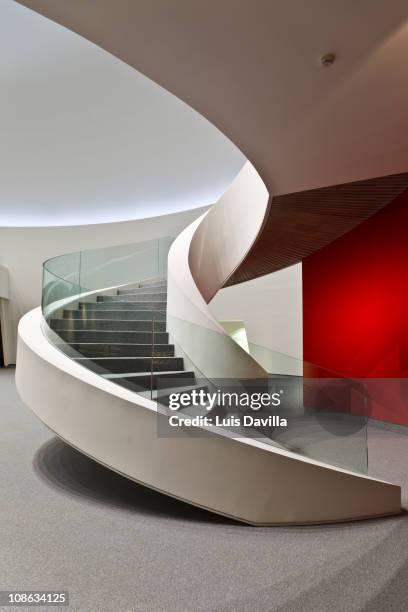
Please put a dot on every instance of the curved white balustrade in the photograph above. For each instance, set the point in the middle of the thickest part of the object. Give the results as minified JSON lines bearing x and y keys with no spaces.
{"x":228,"y":231}
{"x":241,"y":478}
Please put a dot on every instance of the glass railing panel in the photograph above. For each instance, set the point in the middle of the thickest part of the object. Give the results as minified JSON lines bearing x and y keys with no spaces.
{"x":61,"y":280}
{"x":86,"y":317}
{"x":125,"y":340}
{"x":78,"y":273}
{"x":118,"y":265}
{"x":320,"y":418}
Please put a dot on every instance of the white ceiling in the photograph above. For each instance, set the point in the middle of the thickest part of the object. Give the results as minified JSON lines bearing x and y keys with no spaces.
{"x":87,"y":139}
{"x":253,"y":68}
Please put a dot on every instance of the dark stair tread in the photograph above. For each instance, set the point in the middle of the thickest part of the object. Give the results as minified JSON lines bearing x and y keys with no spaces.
{"x":144,"y":381}
{"x":147,"y":290}
{"x":117,"y":344}
{"x":152,"y":282}
{"x":136,"y":357}
{"x":121,"y":365}
{"x":108,"y":335}
{"x":164,"y":393}
{"x":86,"y":324}
{"x":182,"y":389}
{"x":124,"y":305}
{"x":108,"y":331}
{"x":99,"y":321}
{"x":116,"y":314}
{"x":138,"y":297}
{"x":160,"y":373}
{"x":131,"y":303}
{"x":127,"y":349}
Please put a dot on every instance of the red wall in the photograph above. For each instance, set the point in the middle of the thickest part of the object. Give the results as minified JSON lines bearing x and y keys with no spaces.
{"x":355,"y":308}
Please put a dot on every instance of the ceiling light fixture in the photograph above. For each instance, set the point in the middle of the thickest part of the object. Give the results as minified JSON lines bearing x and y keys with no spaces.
{"x":328,"y":59}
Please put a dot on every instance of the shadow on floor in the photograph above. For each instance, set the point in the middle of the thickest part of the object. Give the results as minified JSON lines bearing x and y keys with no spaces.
{"x":65,"y":468}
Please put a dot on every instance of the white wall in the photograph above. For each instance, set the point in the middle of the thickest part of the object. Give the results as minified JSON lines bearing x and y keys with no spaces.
{"x":23,"y":251}
{"x":271,"y":308}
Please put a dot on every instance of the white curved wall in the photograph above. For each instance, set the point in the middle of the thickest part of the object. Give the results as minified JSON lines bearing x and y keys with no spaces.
{"x":24,"y":250}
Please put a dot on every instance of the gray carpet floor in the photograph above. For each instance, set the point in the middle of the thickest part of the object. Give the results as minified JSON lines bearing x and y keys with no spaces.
{"x":68,"y":523}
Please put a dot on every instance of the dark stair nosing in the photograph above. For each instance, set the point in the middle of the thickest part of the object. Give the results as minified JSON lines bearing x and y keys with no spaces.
{"x":113,"y":337}
{"x":86,"y":324}
{"x":123,"y":305}
{"x":152,"y":282}
{"x":114,"y":350}
{"x":102,"y":300}
{"x":162,"y":373}
{"x":150,"y":290}
{"x":119,"y":365}
{"x":113,"y":314}
{"x":182,"y":389}
{"x":143,"y":381}
{"x":132,"y":297}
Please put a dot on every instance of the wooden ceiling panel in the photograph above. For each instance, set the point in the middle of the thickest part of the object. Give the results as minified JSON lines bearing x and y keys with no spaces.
{"x":299,"y":224}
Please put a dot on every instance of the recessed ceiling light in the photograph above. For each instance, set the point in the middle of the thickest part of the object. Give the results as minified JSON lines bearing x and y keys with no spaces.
{"x":328,"y":59}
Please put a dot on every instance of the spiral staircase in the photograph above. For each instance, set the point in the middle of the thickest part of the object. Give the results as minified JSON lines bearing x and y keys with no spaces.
{"x":129,"y":332}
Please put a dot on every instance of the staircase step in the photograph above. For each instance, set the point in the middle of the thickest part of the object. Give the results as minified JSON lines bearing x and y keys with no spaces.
{"x":131,"y":297}
{"x":113,"y":337}
{"x":118,"y":314}
{"x":103,"y":349}
{"x":145,"y":380}
{"x":107,"y":325}
{"x":122,"y":305}
{"x":153,"y":282}
{"x":131,"y":365}
{"x":137,"y":290}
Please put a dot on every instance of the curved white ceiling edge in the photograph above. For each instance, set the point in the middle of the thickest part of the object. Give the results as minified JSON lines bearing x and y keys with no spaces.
{"x":87,"y":139}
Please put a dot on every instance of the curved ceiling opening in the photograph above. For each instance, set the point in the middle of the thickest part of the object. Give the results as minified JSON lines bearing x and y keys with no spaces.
{"x":88,"y":139}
